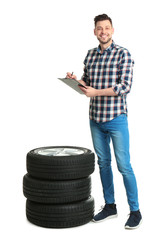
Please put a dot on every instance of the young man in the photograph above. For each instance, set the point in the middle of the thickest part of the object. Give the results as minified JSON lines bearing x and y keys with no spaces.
{"x":108,"y":73}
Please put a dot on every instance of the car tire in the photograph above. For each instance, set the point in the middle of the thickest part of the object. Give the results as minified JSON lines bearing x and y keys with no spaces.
{"x":60,"y":216}
{"x":60,"y":163}
{"x":46,"y":191}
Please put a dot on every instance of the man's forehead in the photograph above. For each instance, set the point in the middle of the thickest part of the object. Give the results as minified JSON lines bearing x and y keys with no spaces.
{"x":103,"y":23}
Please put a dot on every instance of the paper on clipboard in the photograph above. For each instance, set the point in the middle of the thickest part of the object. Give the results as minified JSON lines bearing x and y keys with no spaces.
{"x":73,"y":83}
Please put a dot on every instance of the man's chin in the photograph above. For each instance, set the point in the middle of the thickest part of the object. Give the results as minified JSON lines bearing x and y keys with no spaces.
{"x":104,"y":41}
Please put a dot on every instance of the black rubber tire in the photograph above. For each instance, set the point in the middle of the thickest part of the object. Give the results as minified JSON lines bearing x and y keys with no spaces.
{"x":60,"y":216}
{"x":45,"y":191}
{"x":60,"y":167}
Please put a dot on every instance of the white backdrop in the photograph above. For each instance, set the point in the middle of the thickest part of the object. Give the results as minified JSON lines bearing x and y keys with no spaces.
{"x":42,"y":40}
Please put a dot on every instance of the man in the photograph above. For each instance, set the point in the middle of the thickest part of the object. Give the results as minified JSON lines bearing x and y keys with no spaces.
{"x":108,"y":73}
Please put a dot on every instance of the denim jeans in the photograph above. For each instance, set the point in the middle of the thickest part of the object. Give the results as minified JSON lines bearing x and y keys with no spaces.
{"x":117,"y":131}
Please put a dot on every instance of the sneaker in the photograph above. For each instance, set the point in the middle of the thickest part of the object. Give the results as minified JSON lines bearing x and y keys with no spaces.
{"x":134,"y":220}
{"x":108,"y":211}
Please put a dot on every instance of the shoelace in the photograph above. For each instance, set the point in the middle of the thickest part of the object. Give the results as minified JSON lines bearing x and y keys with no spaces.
{"x":131,"y":214}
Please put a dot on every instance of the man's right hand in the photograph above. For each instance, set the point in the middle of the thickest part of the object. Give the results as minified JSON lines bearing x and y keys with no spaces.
{"x":69,"y":75}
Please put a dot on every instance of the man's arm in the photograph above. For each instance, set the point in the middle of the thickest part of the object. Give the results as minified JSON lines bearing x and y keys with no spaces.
{"x":92,"y":92}
{"x":125,"y":72}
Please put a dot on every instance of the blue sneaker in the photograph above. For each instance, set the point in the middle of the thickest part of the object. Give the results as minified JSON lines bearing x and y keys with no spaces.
{"x":134,"y":220}
{"x":108,"y":211}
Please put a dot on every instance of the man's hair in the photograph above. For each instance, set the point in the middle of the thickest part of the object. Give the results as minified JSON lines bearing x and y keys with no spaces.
{"x":102,"y":17}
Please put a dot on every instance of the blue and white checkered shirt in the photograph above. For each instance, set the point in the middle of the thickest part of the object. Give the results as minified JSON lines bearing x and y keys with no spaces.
{"x":111,"y":69}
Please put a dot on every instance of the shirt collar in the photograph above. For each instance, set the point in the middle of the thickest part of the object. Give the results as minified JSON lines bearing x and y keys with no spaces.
{"x":107,"y":49}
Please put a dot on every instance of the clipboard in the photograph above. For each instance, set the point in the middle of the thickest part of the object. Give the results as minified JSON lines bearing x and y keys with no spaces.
{"x":73,"y":83}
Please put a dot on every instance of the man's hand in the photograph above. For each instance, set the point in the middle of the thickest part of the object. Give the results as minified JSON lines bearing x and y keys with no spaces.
{"x":89,"y":91}
{"x":70,"y":75}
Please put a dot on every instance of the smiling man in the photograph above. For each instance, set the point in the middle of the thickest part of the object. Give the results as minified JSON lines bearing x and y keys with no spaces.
{"x":104,"y":31}
{"x":108,"y":74}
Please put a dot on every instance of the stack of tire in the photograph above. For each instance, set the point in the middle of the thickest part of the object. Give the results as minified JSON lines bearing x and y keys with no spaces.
{"x":58,"y":186}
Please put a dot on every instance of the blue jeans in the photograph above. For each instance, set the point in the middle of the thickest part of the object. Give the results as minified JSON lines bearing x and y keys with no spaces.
{"x":102,"y":133}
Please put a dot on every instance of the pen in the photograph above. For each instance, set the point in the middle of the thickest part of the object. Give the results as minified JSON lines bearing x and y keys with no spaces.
{"x":72,"y":74}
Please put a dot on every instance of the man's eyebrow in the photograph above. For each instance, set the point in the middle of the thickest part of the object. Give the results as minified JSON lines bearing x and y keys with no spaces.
{"x":101,"y":26}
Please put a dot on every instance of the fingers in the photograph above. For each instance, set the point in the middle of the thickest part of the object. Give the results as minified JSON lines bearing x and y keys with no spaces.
{"x":70,"y":75}
{"x":83,"y":89}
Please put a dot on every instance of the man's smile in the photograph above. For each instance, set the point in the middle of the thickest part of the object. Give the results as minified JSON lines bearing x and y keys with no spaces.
{"x":104,"y":36}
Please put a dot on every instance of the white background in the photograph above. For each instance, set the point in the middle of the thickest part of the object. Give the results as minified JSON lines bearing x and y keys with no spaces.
{"x":42,"y":40}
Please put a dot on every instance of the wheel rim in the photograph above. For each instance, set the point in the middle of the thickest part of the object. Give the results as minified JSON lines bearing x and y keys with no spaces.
{"x":59,"y":151}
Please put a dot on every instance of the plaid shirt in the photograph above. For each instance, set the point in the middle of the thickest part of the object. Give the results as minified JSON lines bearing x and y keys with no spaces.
{"x":111,"y":69}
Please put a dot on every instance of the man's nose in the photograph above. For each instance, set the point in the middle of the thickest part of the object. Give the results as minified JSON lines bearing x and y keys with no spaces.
{"x":103,"y":31}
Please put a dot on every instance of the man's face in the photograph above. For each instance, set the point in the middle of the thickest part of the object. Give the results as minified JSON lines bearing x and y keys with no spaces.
{"x":104,"y":31}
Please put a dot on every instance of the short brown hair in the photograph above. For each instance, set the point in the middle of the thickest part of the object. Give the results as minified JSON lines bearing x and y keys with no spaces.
{"x":102,"y":17}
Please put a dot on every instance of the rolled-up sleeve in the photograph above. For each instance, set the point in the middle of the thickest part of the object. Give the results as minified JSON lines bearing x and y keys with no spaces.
{"x":125,"y":73}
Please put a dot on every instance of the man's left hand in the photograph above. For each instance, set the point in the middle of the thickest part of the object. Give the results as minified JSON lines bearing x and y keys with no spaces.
{"x":89,"y":91}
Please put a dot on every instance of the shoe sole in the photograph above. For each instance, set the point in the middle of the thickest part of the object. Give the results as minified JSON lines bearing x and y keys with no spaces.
{"x":131,"y":228}
{"x":109,"y":217}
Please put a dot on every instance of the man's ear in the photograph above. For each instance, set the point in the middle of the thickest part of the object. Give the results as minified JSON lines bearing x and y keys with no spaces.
{"x":95,"y":32}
